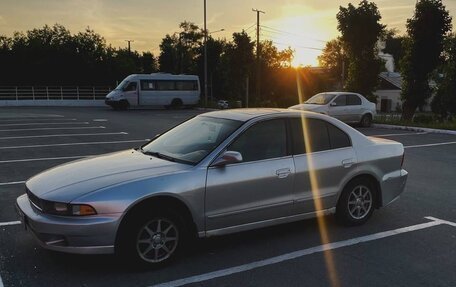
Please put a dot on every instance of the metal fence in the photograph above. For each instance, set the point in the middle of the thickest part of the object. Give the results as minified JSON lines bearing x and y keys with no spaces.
{"x":11,"y":93}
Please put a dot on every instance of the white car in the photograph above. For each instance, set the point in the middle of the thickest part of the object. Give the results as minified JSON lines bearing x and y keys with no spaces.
{"x":347,"y":107}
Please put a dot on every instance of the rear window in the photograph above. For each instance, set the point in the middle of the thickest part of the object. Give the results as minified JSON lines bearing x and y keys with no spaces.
{"x":321,"y":136}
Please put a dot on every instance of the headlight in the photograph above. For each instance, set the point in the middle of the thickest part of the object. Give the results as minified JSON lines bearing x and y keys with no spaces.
{"x":66,"y":209}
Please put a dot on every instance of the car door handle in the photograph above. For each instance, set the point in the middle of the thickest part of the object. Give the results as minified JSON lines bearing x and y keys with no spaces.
{"x":283,"y":172}
{"x":348,"y":162}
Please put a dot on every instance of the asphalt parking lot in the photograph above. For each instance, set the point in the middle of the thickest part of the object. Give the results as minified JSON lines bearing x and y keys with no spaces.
{"x":412,"y":242}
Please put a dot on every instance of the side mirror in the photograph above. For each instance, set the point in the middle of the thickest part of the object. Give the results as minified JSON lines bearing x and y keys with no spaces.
{"x":228,"y":157}
{"x":333,"y":104}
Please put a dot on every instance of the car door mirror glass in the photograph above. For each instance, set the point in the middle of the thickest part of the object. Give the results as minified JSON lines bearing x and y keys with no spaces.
{"x":228,"y":157}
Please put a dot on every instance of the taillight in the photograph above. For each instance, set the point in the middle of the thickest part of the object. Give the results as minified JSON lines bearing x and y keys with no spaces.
{"x":402,"y":160}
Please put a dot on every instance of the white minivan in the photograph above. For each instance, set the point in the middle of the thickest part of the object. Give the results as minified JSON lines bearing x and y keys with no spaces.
{"x":156,"y":89}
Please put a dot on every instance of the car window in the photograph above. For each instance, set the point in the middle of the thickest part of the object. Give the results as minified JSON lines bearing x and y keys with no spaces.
{"x":264,"y":140}
{"x":131,"y":87}
{"x":353,"y":100}
{"x":337,"y":138}
{"x":147,"y":85}
{"x":321,"y":136}
{"x":341,"y":100}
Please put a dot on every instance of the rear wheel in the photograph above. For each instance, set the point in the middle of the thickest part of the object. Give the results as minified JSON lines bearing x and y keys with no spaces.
{"x":152,"y":238}
{"x":356,"y":203}
{"x":366,"y":121}
{"x":176,"y":104}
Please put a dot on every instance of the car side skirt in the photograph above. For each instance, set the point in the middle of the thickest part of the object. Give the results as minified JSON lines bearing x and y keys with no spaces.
{"x":265,"y":223}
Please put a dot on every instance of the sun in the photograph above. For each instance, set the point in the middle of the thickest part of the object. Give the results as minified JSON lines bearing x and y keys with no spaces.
{"x":300,"y":29}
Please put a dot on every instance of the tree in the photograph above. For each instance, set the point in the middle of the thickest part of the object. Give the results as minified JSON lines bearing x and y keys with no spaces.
{"x":360,"y":28}
{"x":444,"y":102}
{"x":237,"y":62}
{"x":394,"y":46}
{"x":426,"y":31}
{"x":332,"y":58}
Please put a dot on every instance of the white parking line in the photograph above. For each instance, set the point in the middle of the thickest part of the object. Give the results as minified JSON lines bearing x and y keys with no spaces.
{"x":62,"y":135}
{"x":11,"y":183}
{"x":10,"y":223}
{"x":42,"y":129}
{"x":428,"y":145}
{"x":70,"y":144}
{"x":303,"y":252}
{"x":45,"y":158}
{"x":36,"y":119}
{"x":37,"y":124}
{"x":399,"y":134}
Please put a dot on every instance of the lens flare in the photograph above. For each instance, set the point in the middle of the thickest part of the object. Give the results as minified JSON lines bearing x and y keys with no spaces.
{"x":316,"y":195}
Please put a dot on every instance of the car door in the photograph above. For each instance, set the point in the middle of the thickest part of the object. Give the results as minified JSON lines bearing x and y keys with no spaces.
{"x":354,"y":108}
{"x":338,"y":108}
{"x":256,"y":189}
{"x":323,"y":155}
{"x":131,"y":93}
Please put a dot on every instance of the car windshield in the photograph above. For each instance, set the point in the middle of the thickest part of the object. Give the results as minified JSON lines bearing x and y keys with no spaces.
{"x":192,"y":140}
{"x":320,"y":99}
{"x":122,"y":85}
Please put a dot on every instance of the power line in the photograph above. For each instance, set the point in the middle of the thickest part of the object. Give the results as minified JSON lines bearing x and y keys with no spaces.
{"x":277,"y":31}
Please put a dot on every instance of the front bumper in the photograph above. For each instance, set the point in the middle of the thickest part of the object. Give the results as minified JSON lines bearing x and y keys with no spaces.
{"x":392,"y":185}
{"x":82,"y":235}
{"x":111,"y":103}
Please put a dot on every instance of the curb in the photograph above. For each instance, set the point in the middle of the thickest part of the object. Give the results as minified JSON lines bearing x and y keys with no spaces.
{"x":417,"y":129}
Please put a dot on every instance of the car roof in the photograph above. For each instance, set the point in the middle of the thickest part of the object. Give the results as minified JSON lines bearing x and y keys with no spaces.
{"x":338,"y":93}
{"x":246,"y":114}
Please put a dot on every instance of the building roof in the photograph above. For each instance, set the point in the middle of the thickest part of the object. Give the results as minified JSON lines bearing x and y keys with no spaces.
{"x":393,"y":78}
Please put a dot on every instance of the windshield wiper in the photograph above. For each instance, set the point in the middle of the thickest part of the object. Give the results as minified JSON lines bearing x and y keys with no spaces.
{"x":159,"y":155}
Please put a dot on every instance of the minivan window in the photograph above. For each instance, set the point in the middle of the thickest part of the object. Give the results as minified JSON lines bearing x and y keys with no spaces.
{"x":130,"y":87}
{"x":353,"y":100}
{"x":264,"y":140}
{"x":147,"y":85}
{"x":321,"y":136}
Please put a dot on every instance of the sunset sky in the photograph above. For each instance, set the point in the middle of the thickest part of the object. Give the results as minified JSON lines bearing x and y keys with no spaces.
{"x":302,"y":24}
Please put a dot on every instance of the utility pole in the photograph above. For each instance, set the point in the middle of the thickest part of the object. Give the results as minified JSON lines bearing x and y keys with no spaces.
{"x":258,"y":50}
{"x":205,"y":56}
{"x":129,"y":41}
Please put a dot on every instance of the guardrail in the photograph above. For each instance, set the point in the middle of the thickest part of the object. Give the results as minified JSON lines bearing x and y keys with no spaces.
{"x":29,"y":93}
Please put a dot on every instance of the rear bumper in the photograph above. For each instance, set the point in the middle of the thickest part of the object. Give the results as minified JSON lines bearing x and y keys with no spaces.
{"x":82,"y":235}
{"x":392,"y":185}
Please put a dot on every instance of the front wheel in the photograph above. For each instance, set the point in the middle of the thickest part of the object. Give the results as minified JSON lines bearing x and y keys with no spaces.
{"x":152,"y":240}
{"x":356,"y":203}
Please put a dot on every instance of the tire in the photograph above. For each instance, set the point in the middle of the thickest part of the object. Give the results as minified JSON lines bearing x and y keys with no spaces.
{"x":152,"y":237}
{"x":176,"y":103}
{"x":366,"y":121}
{"x":357,"y":202}
{"x":124,"y":105}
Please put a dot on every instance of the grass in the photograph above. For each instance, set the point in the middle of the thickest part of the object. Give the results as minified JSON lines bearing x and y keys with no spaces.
{"x":423,"y":120}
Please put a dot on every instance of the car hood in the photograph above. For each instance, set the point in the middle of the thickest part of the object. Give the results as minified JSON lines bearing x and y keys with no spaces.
{"x":66,"y":182}
{"x":308,"y":107}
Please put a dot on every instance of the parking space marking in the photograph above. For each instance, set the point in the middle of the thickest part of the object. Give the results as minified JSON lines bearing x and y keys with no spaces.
{"x":300,"y":253}
{"x":42,"y":129}
{"x":37,"y":124}
{"x":71,"y":144}
{"x":62,"y":135}
{"x":399,"y":134}
{"x":11,"y":183}
{"x":38,"y":119}
{"x":429,"y":145}
{"x":45,"y":158}
{"x":10,"y":223}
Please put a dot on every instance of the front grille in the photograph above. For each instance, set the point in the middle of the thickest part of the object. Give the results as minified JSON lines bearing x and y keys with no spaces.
{"x":36,"y":202}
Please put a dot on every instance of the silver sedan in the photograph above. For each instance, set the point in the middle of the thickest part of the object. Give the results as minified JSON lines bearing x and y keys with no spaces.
{"x":347,"y":107}
{"x":217,"y":173}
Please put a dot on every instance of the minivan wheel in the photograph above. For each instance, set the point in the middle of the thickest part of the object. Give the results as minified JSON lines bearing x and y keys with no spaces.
{"x":153,"y":239}
{"x":176,"y":103}
{"x":356,"y":203}
{"x":366,"y":121}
